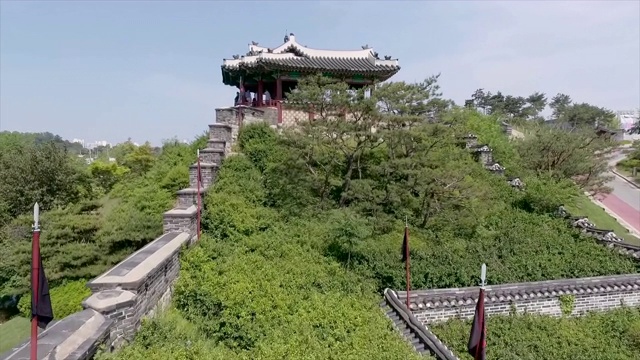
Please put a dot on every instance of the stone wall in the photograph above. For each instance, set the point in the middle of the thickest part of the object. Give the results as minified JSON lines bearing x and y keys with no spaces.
{"x":141,"y":285}
{"x":576,"y":296}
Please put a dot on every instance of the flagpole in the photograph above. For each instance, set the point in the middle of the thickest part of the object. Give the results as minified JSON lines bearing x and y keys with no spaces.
{"x":199,"y":185}
{"x":407,"y":265}
{"x":35,"y":274}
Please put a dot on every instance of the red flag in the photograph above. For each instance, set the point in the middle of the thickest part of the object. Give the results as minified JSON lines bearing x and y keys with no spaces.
{"x":478,"y":337}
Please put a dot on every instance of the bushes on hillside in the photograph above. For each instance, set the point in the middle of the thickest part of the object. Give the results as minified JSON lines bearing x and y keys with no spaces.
{"x":259,"y":294}
{"x":607,"y":336}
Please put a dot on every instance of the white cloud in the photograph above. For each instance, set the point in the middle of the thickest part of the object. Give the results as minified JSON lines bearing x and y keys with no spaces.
{"x":589,"y":50}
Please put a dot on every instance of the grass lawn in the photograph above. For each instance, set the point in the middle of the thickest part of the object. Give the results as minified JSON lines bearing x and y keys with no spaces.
{"x":13,"y":332}
{"x":608,"y":335}
{"x":597,"y":215}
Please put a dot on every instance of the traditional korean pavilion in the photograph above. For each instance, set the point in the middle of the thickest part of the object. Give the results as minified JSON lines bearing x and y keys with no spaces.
{"x":278,"y":69}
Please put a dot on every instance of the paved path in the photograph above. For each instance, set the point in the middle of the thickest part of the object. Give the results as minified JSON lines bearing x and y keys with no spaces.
{"x":624,"y":200}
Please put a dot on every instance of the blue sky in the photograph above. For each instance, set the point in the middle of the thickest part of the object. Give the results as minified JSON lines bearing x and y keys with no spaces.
{"x":150,"y":70}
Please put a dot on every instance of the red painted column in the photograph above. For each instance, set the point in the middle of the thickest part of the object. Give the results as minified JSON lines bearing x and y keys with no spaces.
{"x":260,"y":92}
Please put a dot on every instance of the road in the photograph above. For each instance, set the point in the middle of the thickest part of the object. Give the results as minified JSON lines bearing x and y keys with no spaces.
{"x":624,"y":200}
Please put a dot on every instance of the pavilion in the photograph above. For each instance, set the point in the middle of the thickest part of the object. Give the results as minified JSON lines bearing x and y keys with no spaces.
{"x":278,"y":69}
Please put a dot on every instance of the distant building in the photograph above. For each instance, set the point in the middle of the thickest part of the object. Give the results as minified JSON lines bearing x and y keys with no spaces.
{"x":627,"y":119}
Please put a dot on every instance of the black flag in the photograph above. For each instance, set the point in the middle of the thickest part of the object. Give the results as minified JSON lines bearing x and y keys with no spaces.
{"x":478,"y":337}
{"x":405,"y":244}
{"x":43,"y":309}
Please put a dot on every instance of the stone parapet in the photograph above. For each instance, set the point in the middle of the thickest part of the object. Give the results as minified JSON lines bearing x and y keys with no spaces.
{"x":134,"y":288}
{"x":213,"y":155}
{"x":208,"y":173}
{"x":189,"y":197}
{"x":181,"y":220}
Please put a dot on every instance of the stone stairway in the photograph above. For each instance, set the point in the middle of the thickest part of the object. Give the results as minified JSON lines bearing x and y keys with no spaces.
{"x":183,"y":216}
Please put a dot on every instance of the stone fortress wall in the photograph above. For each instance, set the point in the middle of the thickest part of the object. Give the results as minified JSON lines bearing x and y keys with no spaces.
{"x":142,"y":284}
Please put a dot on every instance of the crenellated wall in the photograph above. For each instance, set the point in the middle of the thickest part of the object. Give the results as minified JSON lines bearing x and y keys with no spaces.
{"x":141,"y":285}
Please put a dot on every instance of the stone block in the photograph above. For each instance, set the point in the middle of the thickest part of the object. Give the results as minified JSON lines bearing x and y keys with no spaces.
{"x":220,"y":132}
{"x":208,"y":173}
{"x":212,"y":155}
{"x":217,"y":145}
{"x":189,"y":197}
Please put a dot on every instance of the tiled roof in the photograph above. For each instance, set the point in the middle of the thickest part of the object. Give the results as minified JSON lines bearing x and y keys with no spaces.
{"x":294,"y":62}
{"x":295,"y":57}
{"x":438,"y":298}
{"x":415,"y":332}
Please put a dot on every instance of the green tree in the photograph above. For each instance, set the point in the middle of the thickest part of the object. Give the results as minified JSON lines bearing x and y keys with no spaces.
{"x":140,"y":160}
{"x":579,"y":155}
{"x":42,"y":173}
{"x":107,"y":174}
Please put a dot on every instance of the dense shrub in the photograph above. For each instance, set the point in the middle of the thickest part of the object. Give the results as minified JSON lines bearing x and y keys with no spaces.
{"x":66,"y":299}
{"x":607,"y":336}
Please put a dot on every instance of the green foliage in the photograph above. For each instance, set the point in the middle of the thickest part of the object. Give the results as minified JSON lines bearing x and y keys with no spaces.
{"x":607,"y":336}
{"x":578,"y":155}
{"x":106,"y":175}
{"x":567,"y":304}
{"x":41,"y":173}
{"x":86,"y":237}
{"x":66,"y":299}
{"x":140,"y":160}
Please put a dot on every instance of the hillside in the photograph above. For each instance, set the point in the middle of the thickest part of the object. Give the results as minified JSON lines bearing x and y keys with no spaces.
{"x":304,"y":229}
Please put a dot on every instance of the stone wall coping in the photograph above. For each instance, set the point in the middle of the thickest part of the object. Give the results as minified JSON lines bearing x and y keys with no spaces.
{"x":131,"y":272}
{"x":453,"y":297}
{"x":191,"y":191}
{"x":204,"y":165}
{"x":71,"y":338}
{"x":109,"y":300}
{"x":212,"y":150}
{"x":623,"y":248}
{"x":220,"y":125}
{"x":190,"y":211}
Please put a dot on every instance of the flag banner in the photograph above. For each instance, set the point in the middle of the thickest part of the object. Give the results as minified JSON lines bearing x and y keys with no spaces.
{"x":405,"y":244}
{"x":42,"y":307}
{"x":478,"y":337}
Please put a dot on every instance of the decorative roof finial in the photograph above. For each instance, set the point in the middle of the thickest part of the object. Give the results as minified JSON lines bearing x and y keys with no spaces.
{"x":387,"y":57}
{"x":254,"y":43}
{"x":286,"y":37}
{"x":366,"y":47}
